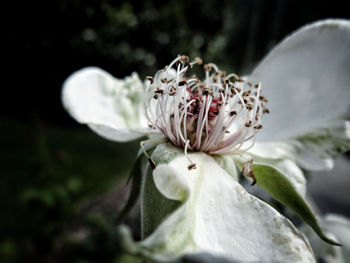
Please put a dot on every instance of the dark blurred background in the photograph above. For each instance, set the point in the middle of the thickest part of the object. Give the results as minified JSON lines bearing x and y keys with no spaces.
{"x":61,"y":186}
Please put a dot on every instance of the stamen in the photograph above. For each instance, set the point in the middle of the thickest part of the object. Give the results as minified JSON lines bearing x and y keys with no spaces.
{"x":232,"y":113}
{"x":182,"y":83}
{"x":142,"y":143}
{"x":199,"y":61}
{"x":191,"y":165}
{"x":150,"y":79}
{"x":216,"y":115}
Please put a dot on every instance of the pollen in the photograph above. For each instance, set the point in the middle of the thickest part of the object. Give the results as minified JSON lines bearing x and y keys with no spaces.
{"x":219,"y":114}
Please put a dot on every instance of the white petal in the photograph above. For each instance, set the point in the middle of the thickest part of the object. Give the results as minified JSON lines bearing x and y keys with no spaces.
{"x":216,"y":215}
{"x":111,"y":107}
{"x":316,"y":149}
{"x":227,"y":163}
{"x":306,"y":79}
{"x":272,"y":150}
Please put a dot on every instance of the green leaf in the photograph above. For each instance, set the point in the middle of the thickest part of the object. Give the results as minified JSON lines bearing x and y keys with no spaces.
{"x":136,"y":177}
{"x":280,"y":188}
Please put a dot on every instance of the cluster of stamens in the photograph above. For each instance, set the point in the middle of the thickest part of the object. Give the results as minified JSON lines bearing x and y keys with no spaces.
{"x":217,"y":115}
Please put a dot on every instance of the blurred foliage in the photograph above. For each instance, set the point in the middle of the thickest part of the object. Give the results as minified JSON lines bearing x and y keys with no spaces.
{"x":46,"y":173}
{"x":48,"y":40}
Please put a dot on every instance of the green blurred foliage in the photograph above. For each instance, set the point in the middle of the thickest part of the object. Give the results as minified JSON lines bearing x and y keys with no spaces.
{"x":46,"y":172}
{"x":144,"y":36}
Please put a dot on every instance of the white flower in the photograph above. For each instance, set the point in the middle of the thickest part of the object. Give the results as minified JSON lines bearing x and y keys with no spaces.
{"x":191,"y":202}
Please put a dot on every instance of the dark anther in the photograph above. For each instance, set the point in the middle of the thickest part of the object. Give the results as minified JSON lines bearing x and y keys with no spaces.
{"x":233,"y":113}
{"x":207,"y":91}
{"x":249,"y":106}
{"x":246,"y":93}
{"x":150,"y":79}
{"x":252,"y":175}
{"x":248,"y":124}
{"x":263,"y":98}
{"x":182,"y":83}
{"x":192,"y":166}
{"x":158,"y":90}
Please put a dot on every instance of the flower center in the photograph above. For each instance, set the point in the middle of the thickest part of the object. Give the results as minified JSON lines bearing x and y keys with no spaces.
{"x":219,"y":115}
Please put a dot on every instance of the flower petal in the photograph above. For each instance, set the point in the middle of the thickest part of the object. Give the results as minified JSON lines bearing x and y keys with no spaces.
{"x":111,"y":107}
{"x":316,"y":149}
{"x":213,"y":213}
{"x":306,"y":79}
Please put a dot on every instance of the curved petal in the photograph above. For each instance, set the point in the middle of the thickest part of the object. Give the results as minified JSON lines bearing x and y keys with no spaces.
{"x":314,"y":150}
{"x":214,"y":214}
{"x":306,"y":79}
{"x":111,"y":107}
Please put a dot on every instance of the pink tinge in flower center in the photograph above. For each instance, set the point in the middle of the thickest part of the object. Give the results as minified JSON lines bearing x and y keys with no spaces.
{"x":217,"y":115}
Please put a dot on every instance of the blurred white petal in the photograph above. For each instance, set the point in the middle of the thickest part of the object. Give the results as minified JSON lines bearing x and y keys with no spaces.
{"x":111,"y":107}
{"x":216,"y":215}
{"x":316,"y":149}
{"x":306,"y":79}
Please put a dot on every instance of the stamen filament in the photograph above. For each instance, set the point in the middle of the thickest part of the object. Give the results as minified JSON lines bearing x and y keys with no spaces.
{"x":217,"y":115}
